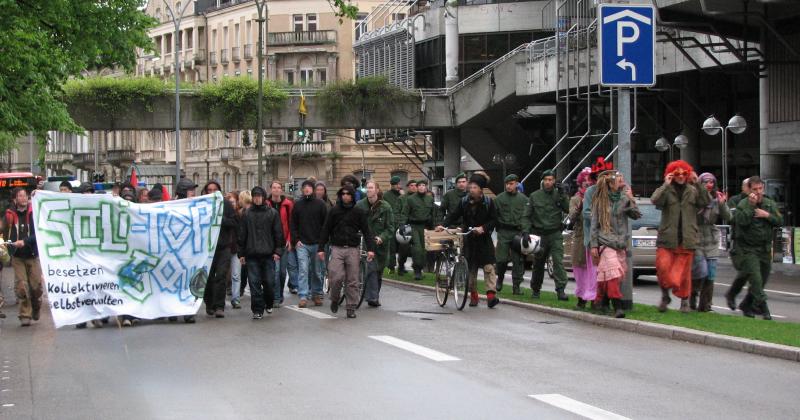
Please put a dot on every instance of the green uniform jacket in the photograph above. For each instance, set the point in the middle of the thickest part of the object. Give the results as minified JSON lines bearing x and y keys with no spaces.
{"x":733,"y":202}
{"x":420,"y":210}
{"x":679,"y":212}
{"x":545,"y":212}
{"x":510,"y":215}
{"x":450,"y":203}
{"x":380,"y":219}
{"x":395,"y":200}
{"x":755,"y":234}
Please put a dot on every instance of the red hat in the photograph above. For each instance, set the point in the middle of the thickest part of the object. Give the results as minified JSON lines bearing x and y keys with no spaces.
{"x":678,"y":166}
{"x":601,"y":166}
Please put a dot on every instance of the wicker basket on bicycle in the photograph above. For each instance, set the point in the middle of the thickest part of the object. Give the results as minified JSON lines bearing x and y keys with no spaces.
{"x":434,"y":240}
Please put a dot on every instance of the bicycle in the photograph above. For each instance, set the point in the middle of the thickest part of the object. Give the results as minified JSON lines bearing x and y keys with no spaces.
{"x":452,"y":271}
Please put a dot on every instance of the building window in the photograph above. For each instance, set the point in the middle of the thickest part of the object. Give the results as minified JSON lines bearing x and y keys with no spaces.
{"x":397,"y":17}
{"x":361,"y":25}
{"x":236,"y":35}
{"x":224,"y":37}
{"x":214,"y":40}
{"x":248,"y":31}
{"x":189,"y":44}
{"x":311,"y":22}
{"x":322,"y":76}
{"x":289,"y":76}
{"x":306,"y":77}
{"x":297,"y":21}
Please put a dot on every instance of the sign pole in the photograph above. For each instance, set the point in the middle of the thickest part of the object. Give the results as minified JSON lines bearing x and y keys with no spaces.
{"x":624,"y":166}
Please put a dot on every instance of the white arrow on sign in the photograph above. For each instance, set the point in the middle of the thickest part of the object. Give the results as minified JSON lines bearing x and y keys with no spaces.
{"x":625,"y":64}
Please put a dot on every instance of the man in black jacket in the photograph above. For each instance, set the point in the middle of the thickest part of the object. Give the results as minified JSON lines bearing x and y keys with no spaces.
{"x":343,"y":229}
{"x":214,"y":296}
{"x":308,"y":217}
{"x":260,"y":247}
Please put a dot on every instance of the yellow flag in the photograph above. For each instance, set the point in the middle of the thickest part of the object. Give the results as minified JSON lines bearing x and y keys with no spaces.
{"x":303,"y":110}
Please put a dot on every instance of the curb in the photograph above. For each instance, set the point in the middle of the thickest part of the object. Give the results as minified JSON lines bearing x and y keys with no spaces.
{"x":745,"y":345}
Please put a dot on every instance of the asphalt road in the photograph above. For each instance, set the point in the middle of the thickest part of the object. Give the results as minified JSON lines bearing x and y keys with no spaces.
{"x":476,"y":364}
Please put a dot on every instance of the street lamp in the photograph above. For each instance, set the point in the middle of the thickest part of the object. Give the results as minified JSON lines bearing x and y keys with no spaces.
{"x":736,"y":125}
{"x":263,"y":16}
{"x":662,"y":144}
{"x":176,"y":20}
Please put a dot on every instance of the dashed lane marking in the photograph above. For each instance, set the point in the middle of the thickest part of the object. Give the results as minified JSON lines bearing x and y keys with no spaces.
{"x":434,"y":355}
{"x":310,"y":312}
{"x":726,"y":309}
{"x":577,"y":407}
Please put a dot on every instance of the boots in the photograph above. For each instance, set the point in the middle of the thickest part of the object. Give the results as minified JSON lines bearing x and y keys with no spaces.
{"x":730,"y":299}
{"x":515,"y":290}
{"x":603,"y":310}
{"x":765,"y":312}
{"x":473,"y":298}
{"x":706,"y":295}
{"x":417,"y":274}
{"x":491,"y":299}
{"x":561,"y":295}
{"x":618,"y":312}
{"x":581,"y":304}
{"x":695,"y":291}
{"x":665,"y":300}
{"x":685,"y":306}
{"x":501,"y":275}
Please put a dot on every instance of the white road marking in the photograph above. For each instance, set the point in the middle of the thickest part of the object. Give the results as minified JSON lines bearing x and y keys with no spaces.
{"x":8,"y":405}
{"x":729,"y":310}
{"x":310,"y":312}
{"x":434,"y":355}
{"x":577,"y":407}
{"x":781,"y":292}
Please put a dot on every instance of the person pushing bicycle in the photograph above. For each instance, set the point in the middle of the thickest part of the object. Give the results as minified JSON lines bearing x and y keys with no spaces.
{"x":477,"y":211}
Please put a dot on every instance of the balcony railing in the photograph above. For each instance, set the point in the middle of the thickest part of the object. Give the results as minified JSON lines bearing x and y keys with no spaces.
{"x":120,"y":156}
{"x":83,"y":160}
{"x":199,"y":55}
{"x":57,"y":158}
{"x":248,"y":51}
{"x":153,"y":156}
{"x":302,"y":38}
{"x":212,"y":58}
{"x":235,"y":55}
{"x":299,"y":149}
{"x":224,"y":56}
{"x":230,"y":153}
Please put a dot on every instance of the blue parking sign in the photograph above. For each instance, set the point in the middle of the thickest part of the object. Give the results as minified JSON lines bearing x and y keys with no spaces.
{"x":627,"y":45}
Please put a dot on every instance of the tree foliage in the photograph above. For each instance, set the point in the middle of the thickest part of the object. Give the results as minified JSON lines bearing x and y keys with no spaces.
{"x":43,"y":43}
{"x":366,"y":97}
{"x":344,"y":9}
{"x":236,"y":100}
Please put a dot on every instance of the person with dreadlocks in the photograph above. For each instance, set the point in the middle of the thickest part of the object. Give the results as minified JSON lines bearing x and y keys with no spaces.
{"x":704,"y":266}
{"x":680,"y":198}
{"x":613,"y":204}
{"x":583,"y":269}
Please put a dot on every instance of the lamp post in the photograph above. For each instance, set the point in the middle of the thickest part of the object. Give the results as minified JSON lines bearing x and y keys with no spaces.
{"x":263,"y":16}
{"x":662,"y":144}
{"x":176,"y":21}
{"x":712,"y":127}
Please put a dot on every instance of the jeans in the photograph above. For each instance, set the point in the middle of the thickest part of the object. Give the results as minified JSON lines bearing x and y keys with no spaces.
{"x":374,"y":281}
{"x":308,"y":277}
{"x":288,"y":265}
{"x":236,"y":278}
{"x":261,"y":275}
{"x":214,"y":296}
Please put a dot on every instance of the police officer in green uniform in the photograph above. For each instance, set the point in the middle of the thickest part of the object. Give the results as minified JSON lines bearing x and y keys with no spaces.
{"x":382,"y":225}
{"x":755,"y":217}
{"x":420,"y":213}
{"x":510,"y":213}
{"x":404,"y":250}
{"x":452,"y":199}
{"x":394,"y":198}
{"x":543,"y":217}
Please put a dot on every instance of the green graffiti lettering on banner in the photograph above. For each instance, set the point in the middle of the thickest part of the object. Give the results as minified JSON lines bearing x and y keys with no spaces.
{"x":104,"y":228}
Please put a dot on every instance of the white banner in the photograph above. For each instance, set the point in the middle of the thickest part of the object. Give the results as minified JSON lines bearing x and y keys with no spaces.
{"x":102,"y":256}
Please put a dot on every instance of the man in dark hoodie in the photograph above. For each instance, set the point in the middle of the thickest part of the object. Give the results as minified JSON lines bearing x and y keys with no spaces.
{"x":343,"y":229}
{"x":25,"y":258}
{"x":214,"y":296}
{"x":308,"y":217}
{"x":261,"y":245}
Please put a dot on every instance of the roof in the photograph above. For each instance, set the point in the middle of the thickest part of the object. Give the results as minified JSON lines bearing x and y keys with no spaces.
{"x":154,"y":170}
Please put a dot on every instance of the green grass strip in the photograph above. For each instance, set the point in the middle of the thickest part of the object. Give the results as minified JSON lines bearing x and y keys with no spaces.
{"x":787,"y":333}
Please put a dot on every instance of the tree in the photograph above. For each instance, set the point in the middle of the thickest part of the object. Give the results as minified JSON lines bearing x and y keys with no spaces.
{"x":43,"y":43}
{"x":343,"y":9}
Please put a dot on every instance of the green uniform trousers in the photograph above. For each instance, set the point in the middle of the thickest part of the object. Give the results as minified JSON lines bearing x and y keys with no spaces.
{"x":754,"y":269}
{"x":418,"y":255}
{"x":552,"y":246}
{"x":504,"y":253}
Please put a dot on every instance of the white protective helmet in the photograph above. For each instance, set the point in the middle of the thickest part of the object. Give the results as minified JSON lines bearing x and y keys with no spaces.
{"x":403,"y":234}
{"x":530,"y":244}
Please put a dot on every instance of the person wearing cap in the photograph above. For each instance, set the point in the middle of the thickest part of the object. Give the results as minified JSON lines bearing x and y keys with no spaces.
{"x":704,"y":266}
{"x":65,"y":187}
{"x":544,"y":215}
{"x":452,"y":198}
{"x":343,"y":230}
{"x":380,"y":219}
{"x":86,"y":188}
{"x":214,"y":295}
{"x":404,"y":250}
{"x":420,"y":215}
{"x":680,"y":199}
{"x":510,"y":213}
{"x":261,"y":244}
{"x":394,"y":198}
{"x":156,"y":194}
{"x":308,"y":217}
{"x":352,"y":181}
{"x":478,"y":212}
{"x":186,"y":188}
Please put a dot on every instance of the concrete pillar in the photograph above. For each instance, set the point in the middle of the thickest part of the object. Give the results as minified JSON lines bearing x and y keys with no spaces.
{"x":771,"y":166}
{"x":452,"y":152}
{"x":451,"y":43}
{"x":272,"y":67}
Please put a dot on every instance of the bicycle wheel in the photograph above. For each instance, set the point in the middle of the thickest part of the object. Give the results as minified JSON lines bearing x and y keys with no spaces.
{"x":460,"y":283}
{"x":442,"y":279}
{"x":363,"y":266}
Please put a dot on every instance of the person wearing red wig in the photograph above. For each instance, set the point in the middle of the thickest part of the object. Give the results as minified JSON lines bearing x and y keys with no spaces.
{"x":679,"y":199}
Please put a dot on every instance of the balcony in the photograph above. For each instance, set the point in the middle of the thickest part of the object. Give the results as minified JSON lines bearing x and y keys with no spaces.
{"x":224,"y":56}
{"x":248,"y":51}
{"x":301,"y":38}
{"x":235,"y":56}
{"x":212,"y":58}
{"x":230,"y":153}
{"x":199,"y":55}
{"x":299,"y":150}
{"x":84,"y":161}
{"x":119,"y":157}
{"x":57,"y":158}
{"x":153,"y":156}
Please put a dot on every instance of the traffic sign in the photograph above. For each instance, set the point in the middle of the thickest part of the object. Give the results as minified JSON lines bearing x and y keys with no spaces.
{"x":627,"y":45}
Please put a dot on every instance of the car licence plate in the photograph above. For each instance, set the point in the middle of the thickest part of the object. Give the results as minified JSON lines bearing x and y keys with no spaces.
{"x":644,"y":243}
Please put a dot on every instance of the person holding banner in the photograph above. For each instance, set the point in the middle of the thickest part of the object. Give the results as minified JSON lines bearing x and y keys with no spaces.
{"x":27,"y":271}
{"x":261,"y":244}
{"x":214,"y":297}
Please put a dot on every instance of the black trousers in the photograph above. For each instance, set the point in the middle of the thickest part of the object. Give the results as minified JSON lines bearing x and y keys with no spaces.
{"x":214,"y":295}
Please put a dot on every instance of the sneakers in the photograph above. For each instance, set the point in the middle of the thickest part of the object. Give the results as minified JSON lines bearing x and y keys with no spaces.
{"x":257,"y":315}
{"x":317,"y":300}
{"x":97,"y":323}
{"x":269,"y":311}
{"x":293,"y":290}
{"x":373,"y":303}
{"x":236,"y":305}
{"x":25,"y":322}
{"x":276,"y":304}
{"x":127,"y":323}
{"x":351,"y":313}
{"x":334,"y":305}
{"x":219,"y":313}
{"x":303,"y":303}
